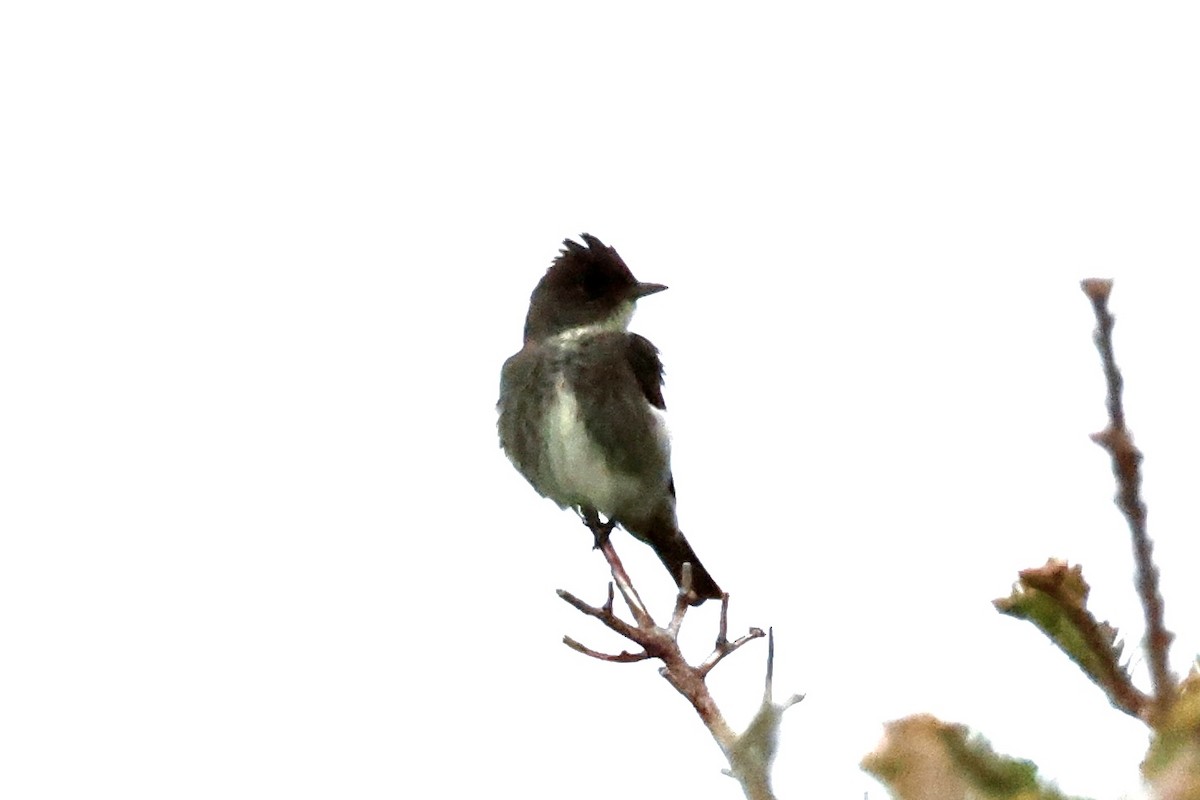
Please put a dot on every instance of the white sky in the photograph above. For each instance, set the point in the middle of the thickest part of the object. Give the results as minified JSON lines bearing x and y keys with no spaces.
{"x":262,"y":263}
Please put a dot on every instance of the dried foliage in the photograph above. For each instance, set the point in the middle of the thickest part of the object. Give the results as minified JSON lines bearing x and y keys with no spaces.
{"x":922,"y":757}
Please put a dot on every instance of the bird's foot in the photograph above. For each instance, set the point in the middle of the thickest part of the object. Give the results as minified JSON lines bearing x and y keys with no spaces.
{"x":600,"y":530}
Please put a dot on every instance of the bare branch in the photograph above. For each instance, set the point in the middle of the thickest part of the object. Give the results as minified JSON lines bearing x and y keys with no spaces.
{"x":604,"y":544}
{"x":769,"y":683}
{"x":681,"y":600}
{"x":743,"y":752}
{"x":624,"y":657}
{"x":723,"y":646}
{"x":1126,"y":464}
{"x":717,"y":655}
{"x":604,"y":614}
{"x":755,"y":749}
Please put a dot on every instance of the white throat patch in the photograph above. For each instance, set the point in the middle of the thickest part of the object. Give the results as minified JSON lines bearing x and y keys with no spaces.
{"x":618,"y":321}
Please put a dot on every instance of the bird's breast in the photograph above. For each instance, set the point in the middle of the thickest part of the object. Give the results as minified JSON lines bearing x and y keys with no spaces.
{"x":581,"y":470}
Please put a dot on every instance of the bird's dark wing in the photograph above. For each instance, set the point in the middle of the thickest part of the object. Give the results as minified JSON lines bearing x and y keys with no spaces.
{"x":642,"y":357}
{"x":648,"y":370}
{"x":617,"y":381}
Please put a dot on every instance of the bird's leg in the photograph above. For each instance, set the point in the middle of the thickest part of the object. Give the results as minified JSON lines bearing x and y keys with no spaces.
{"x":600,"y":530}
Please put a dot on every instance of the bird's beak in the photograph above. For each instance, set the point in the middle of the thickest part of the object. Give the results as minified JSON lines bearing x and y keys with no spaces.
{"x":640,"y":290}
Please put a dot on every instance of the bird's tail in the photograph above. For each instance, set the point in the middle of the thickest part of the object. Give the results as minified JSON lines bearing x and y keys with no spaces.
{"x":673,"y":550}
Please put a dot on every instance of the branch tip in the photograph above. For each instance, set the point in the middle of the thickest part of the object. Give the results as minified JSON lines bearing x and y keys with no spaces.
{"x":1097,"y":289}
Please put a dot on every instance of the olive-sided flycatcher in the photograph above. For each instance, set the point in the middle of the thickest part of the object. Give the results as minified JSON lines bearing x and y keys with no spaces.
{"x":581,"y":405}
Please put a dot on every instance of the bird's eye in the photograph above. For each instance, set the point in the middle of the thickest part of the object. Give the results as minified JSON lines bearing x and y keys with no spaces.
{"x":596,"y":284}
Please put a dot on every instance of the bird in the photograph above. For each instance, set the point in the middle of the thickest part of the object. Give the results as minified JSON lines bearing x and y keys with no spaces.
{"x":581,"y":406}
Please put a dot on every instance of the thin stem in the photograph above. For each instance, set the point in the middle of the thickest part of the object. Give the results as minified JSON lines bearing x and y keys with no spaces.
{"x":1126,"y":464}
{"x":623,"y":657}
{"x":662,"y":644}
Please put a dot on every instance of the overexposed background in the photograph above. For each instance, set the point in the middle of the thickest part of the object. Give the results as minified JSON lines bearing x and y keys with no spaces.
{"x":261,"y":263}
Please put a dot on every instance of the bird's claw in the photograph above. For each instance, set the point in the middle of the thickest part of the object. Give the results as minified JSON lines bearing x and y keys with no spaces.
{"x":600,"y":530}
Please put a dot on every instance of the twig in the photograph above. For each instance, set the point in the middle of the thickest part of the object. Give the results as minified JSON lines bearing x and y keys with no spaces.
{"x":769,"y":683}
{"x":1126,"y":461}
{"x":604,"y":614}
{"x":662,"y":644}
{"x":604,"y":543}
{"x":751,"y":759}
{"x":723,"y":646}
{"x":623,"y":657}
{"x":681,"y":600}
